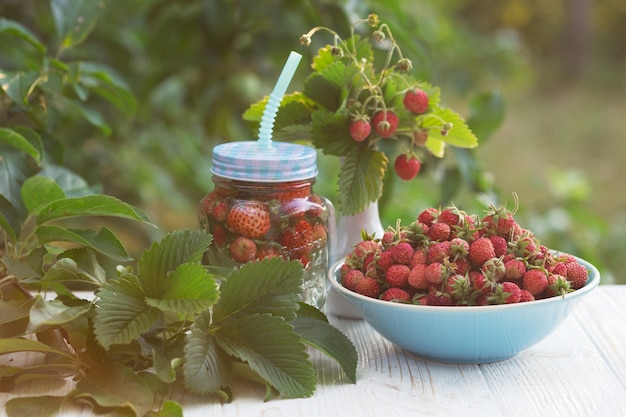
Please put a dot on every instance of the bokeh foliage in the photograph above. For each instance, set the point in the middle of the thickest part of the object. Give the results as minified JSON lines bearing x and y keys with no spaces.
{"x":194,"y":67}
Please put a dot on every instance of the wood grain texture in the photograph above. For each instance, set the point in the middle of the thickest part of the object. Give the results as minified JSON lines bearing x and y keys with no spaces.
{"x":579,"y":370}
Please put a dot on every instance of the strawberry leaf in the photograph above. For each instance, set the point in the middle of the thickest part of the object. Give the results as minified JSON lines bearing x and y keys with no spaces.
{"x":207,"y":369}
{"x":188,"y":289}
{"x":361,"y":179}
{"x":44,"y":314}
{"x":458,"y":135}
{"x":42,"y":405}
{"x":163,"y":257}
{"x":272,"y":349}
{"x":330,"y":132}
{"x":122,"y":314}
{"x":329,"y":340}
{"x":116,"y":386}
{"x":269,"y":286}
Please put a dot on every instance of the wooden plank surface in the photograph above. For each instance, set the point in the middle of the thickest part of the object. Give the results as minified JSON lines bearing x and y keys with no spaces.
{"x":579,"y":370}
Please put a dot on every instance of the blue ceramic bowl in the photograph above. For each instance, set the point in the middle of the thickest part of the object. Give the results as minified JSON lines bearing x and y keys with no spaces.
{"x":466,"y":335}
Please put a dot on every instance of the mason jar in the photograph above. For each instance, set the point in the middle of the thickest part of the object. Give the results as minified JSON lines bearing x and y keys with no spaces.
{"x":263,"y":205}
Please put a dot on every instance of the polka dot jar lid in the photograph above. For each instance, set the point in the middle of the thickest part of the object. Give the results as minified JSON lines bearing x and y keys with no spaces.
{"x":248,"y":161}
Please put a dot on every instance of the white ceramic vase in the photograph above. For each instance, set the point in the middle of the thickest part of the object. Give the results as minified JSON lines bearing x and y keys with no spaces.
{"x":348,"y":234}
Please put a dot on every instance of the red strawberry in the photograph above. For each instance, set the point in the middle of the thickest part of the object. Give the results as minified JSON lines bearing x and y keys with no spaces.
{"x":535,"y":281}
{"x":557,"y":285}
{"x":298,"y":239}
{"x":416,"y":101}
{"x":436,"y":273}
{"x":243,"y":249}
{"x":526,"y":296}
{"x":351,"y":278}
{"x":397,"y":275}
{"x":402,"y":252}
{"x":494,"y":269}
{"x":439,"y":251}
{"x":249,"y":218}
{"x":383,"y":261}
{"x":368,"y":287}
{"x":397,"y":295}
{"x":514,"y":269}
{"x":439,"y":232}
{"x":357,"y":256}
{"x":419,"y":257}
{"x":360,"y":128}
{"x":480,"y":251}
{"x":407,"y":166}
{"x":577,"y":275}
{"x":506,"y":293}
{"x":437,"y":299}
{"x":428,"y":216}
{"x":417,"y":277}
{"x":451,"y":216}
{"x":220,"y":210}
{"x":499,"y":244}
{"x":385,"y":123}
{"x":459,"y":248}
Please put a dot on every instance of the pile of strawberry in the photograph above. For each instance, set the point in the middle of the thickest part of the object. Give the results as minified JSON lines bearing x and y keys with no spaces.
{"x":289,"y":224}
{"x":449,"y":258}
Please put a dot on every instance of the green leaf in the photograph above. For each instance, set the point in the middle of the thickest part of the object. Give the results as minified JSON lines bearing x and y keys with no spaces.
{"x":170,"y":409}
{"x":175,"y":249}
{"x":72,"y":184}
{"x":323,"y":92}
{"x":37,"y":406}
{"x":487,"y":111}
{"x":87,"y":265}
{"x":17,"y":141}
{"x":189,"y":289}
{"x":16,"y":29}
{"x":9,"y":219}
{"x":459,"y":135}
{"x":105,"y":82}
{"x":75,"y":19}
{"x":45,"y":314}
{"x":361,"y":179}
{"x":269,"y":286}
{"x":104,"y":242}
{"x":122,"y":314}
{"x":91,"y":205}
{"x":23,"y":271}
{"x":112,"y":386}
{"x":15,"y":345}
{"x":330,"y":132}
{"x":207,"y":368}
{"x":328,"y":339}
{"x":273,"y":349}
{"x":39,"y":191}
{"x":14,"y":317}
{"x":19,"y":85}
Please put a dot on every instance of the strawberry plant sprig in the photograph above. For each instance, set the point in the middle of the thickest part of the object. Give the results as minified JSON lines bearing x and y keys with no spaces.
{"x":348,"y":108}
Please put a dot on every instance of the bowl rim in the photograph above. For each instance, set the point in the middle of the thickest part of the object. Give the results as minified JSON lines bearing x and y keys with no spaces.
{"x":592,"y":281}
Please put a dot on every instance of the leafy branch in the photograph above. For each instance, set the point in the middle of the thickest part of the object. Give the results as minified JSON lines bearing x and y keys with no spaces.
{"x":344,"y":89}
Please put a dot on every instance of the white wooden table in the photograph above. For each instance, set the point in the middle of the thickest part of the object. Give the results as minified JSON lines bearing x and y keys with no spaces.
{"x":579,"y":370}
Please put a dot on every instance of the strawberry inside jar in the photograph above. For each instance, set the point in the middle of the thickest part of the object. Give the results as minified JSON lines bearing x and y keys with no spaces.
{"x":252,"y":215}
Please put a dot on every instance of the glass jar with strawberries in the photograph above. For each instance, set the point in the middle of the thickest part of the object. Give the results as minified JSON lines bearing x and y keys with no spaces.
{"x":263,"y":205}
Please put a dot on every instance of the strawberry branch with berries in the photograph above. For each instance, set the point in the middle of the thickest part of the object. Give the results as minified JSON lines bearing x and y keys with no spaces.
{"x":348,"y":107}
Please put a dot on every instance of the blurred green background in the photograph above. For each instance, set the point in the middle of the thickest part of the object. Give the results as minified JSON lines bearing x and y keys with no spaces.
{"x":555,"y":70}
